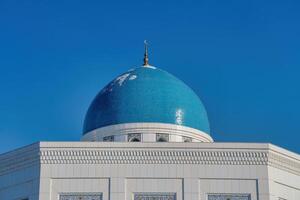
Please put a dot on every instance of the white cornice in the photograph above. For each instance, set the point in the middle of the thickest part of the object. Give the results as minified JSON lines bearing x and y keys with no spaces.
{"x":150,"y":153}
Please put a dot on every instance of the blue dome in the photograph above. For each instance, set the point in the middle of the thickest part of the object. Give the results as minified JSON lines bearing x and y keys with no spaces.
{"x":146,"y":94}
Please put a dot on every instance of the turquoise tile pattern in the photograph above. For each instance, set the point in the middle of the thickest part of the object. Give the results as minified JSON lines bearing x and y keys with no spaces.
{"x":146,"y":94}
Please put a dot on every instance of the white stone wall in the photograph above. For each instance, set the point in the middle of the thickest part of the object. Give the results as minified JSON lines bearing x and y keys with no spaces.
{"x":284,"y":184}
{"x":191,"y":170}
{"x":20,"y":174}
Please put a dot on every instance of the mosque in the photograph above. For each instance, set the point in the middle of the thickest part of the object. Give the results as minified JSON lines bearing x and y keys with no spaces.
{"x":146,"y":136}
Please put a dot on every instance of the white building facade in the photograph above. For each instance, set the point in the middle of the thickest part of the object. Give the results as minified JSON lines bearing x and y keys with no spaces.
{"x":146,"y":137}
{"x":181,"y":171}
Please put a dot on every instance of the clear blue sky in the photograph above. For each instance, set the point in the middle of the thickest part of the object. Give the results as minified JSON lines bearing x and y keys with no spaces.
{"x":241,"y":57}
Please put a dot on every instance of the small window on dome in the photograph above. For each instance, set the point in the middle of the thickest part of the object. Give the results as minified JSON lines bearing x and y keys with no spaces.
{"x":186,"y":139}
{"x":134,"y":137}
{"x":162,"y":137}
{"x":108,"y":138}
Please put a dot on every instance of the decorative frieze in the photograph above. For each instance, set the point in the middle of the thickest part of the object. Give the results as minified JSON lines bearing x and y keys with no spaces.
{"x":137,"y":156}
{"x":126,"y":154}
{"x":155,"y":156}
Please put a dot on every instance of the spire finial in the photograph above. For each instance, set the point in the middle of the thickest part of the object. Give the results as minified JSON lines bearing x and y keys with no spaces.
{"x":146,"y":54}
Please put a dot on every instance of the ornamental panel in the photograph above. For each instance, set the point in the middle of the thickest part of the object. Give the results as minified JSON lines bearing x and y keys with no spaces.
{"x":155,"y":196}
{"x":81,"y":196}
{"x":229,"y":197}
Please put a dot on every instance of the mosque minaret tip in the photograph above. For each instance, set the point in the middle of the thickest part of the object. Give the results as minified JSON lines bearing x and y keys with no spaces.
{"x":146,"y":59}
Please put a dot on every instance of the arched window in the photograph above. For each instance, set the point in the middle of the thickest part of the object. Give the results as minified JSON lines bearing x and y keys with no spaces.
{"x":186,"y":139}
{"x":134,"y":137}
{"x":110,"y":138}
{"x":162,"y":140}
{"x":134,"y":140}
{"x":162,"y":137}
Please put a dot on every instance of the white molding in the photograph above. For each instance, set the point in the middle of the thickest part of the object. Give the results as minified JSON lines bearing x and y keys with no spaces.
{"x":147,"y":128}
{"x":150,"y":153}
